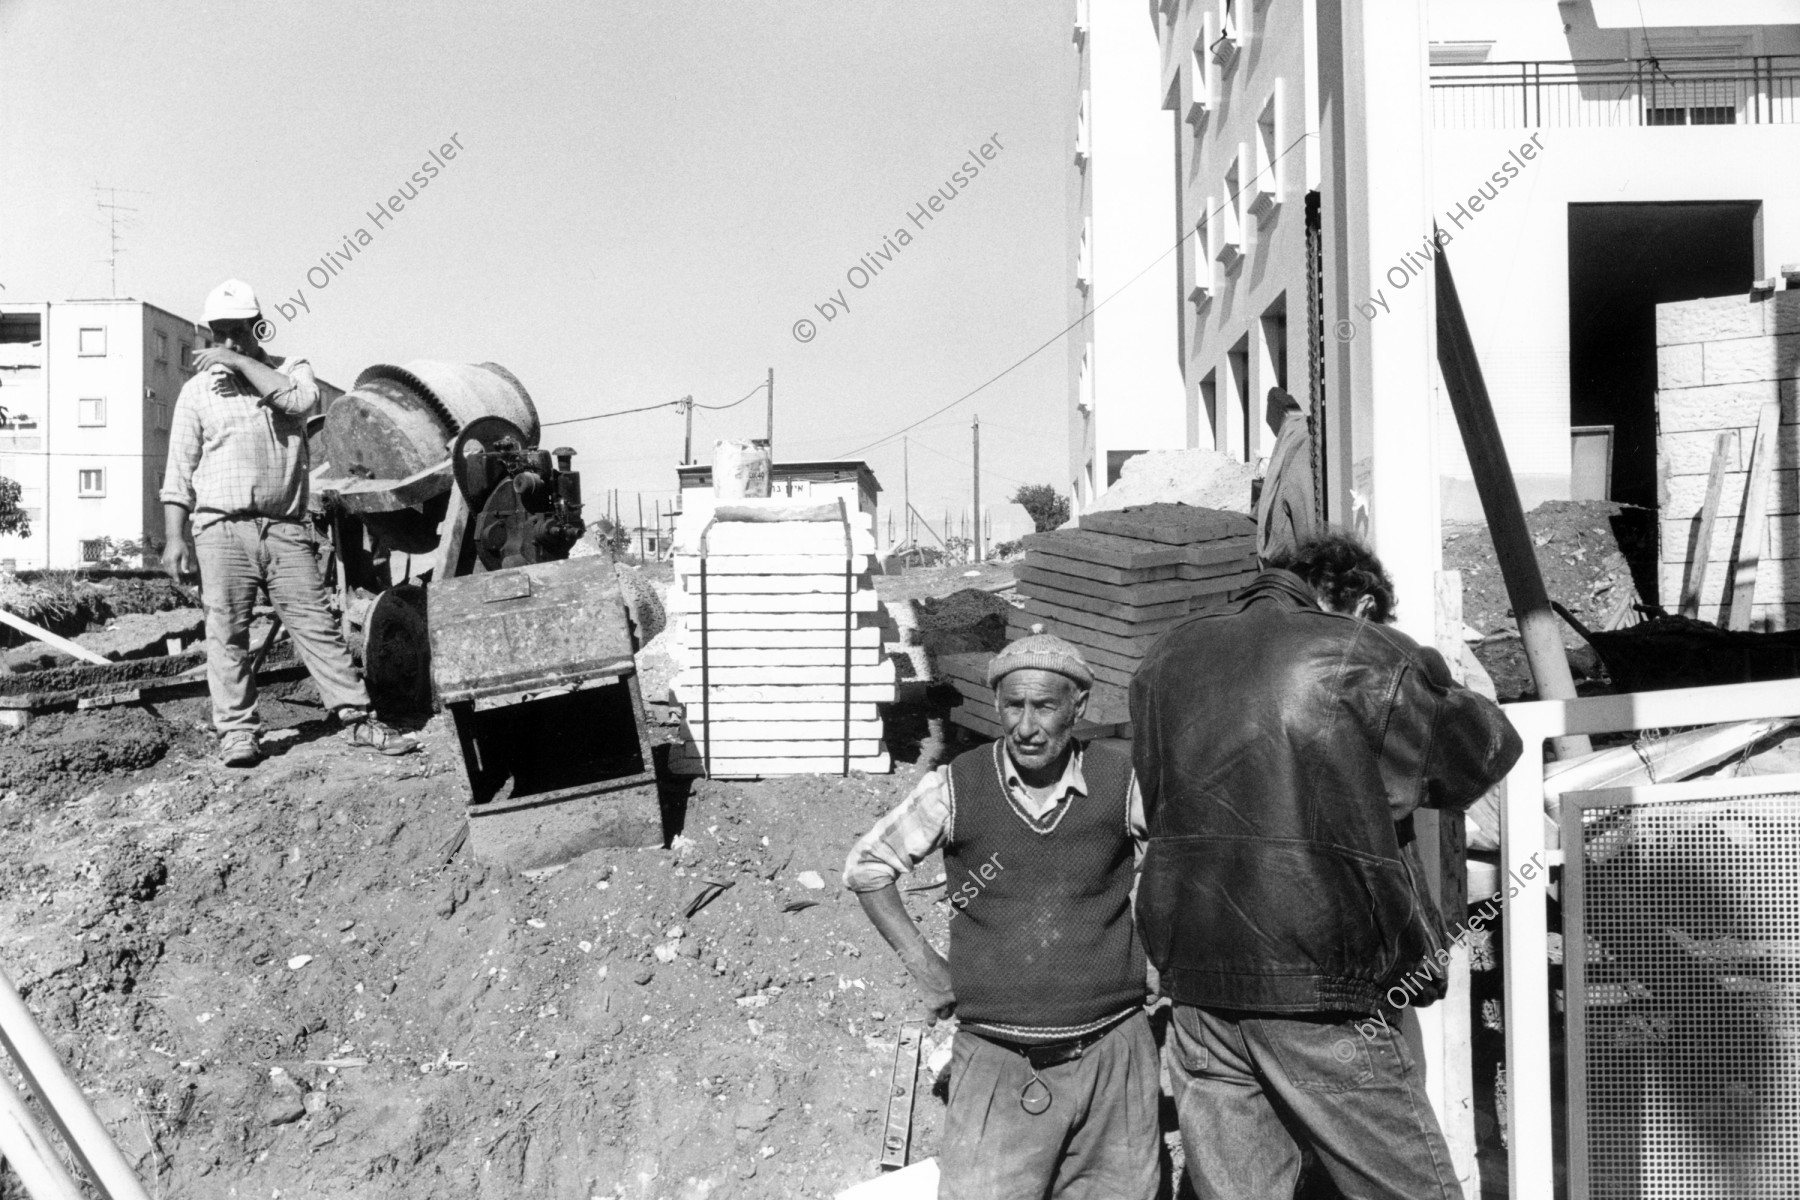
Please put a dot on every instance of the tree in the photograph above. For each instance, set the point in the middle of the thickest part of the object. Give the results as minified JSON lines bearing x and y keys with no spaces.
{"x":13,"y":519}
{"x":610,"y":534}
{"x":1046,"y":507}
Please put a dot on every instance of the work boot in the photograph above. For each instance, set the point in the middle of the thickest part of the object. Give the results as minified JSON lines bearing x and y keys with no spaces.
{"x":365,"y":730}
{"x":240,"y":748}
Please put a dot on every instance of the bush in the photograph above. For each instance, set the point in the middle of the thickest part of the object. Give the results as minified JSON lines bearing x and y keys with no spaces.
{"x":1044,"y":504}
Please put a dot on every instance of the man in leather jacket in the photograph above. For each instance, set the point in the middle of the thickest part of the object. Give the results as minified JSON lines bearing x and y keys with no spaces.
{"x":1283,"y":741}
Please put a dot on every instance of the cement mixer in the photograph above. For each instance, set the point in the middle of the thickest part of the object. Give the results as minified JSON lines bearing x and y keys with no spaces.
{"x":451,"y":531}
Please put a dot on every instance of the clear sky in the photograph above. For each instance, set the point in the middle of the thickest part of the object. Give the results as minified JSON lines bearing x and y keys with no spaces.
{"x":648,"y":197}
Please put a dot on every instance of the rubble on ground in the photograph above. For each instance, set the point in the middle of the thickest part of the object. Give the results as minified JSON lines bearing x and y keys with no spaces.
{"x":1200,"y":478}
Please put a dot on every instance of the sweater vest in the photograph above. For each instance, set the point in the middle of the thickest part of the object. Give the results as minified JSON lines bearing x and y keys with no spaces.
{"x":1042,"y":944}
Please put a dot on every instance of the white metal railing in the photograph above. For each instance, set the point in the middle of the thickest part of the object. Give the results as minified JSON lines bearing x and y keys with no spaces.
{"x":1759,"y":90}
{"x":1530,"y":1162}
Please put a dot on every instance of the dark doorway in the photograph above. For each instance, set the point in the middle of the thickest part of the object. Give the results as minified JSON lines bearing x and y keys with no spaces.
{"x":1624,"y":260}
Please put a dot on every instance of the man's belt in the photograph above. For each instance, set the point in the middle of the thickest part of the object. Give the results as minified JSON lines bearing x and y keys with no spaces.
{"x":1051,"y":1054}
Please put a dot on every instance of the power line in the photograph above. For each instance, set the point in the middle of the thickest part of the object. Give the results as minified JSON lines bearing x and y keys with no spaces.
{"x":1058,"y":335}
{"x":625,"y":412}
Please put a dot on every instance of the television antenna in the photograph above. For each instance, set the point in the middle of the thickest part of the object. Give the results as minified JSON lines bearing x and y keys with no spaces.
{"x":106,"y":199}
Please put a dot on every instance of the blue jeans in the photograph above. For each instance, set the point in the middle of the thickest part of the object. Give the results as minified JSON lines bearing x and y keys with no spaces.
{"x":238,"y":558}
{"x":1250,"y":1089}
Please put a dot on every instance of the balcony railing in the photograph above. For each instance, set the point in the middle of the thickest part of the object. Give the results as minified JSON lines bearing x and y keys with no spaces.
{"x":1761,"y":90}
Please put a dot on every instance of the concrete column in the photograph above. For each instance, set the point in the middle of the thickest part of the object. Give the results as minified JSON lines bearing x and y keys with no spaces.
{"x":1387,"y":198}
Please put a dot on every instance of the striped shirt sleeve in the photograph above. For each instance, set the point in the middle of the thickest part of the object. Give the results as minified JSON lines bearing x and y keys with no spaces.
{"x":904,"y":837}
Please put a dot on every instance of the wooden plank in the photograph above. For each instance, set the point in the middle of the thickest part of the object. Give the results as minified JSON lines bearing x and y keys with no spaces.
{"x":735,"y":729}
{"x":971,"y":666}
{"x":759,"y":768}
{"x":771,"y":564}
{"x":750,"y":748}
{"x":1139,"y":595}
{"x":1112,"y":675}
{"x":1171,"y":524}
{"x":880,"y":673}
{"x":1715,"y":486}
{"x":981,"y":721}
{"x":74,"y":649}
{"x":1056,"y":564}
{"x":1093,"y":639}
{"x":686,"y":689}
{"x":863,"y":601}
{"x":1224,"y":550}
{"x":756,"y":622}
{"x":780,"y":656}
{"x":820,"y":710}
{"x":1044,"y":610}
{"x":826,"y":636}
{"x":1756,"y":516}
{"x":1104,"y":549}
{"x":774,"y":585}
{"x":1107,"y":608}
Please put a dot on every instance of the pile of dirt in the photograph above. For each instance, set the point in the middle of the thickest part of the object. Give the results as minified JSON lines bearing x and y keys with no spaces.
{"x":296,"y":978}
{"x":69,"y":602}
{"x":50,"y":760}
{"x":963,"y":622}
{"x":1200,"y":478}
{"x":1582,"y":550}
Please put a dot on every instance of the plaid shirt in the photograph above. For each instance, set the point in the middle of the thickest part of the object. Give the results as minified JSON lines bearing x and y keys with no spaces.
{"x":233,"y":453}
{"x":919,"y":825}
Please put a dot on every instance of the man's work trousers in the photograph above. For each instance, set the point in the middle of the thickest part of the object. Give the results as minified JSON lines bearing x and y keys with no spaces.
{"x":1249,"y":1088}
{"x":1097,"y":1141}
{"x":238,"y":558}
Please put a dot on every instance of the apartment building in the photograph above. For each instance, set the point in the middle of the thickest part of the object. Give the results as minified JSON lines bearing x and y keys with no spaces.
{"x":1125,"y":380}
{"x":1580,"y":162}
{"x":88,"y":388}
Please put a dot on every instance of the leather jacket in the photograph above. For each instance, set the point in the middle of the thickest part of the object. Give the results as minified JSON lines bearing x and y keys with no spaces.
{"x":1281,"y":750}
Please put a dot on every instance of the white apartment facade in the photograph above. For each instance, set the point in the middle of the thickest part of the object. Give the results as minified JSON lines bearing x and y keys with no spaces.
{"x":1124,"y":354}
{"x":88,"y":388}
{"x":1584,"y":160}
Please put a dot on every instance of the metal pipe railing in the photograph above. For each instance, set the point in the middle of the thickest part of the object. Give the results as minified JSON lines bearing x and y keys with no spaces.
{"x":1754,"y":90}
{"x":29,"y":1153}
{"x":86,"y":1138}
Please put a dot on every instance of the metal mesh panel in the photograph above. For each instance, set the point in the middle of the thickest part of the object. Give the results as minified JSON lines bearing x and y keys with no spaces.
{"x":1683,"y":938}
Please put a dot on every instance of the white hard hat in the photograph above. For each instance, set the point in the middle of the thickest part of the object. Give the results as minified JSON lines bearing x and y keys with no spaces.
{"x":230,"y":299}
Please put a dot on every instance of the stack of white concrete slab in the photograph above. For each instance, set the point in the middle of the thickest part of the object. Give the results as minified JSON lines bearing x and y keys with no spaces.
{"x":779,"y":646}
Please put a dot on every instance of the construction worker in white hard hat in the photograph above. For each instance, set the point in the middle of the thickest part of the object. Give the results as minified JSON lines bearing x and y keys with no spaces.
{"x":237,"y":472}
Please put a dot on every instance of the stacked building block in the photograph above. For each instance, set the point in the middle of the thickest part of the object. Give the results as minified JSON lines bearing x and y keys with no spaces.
{"x":778,"y":640}
{"x":1123,"y":579}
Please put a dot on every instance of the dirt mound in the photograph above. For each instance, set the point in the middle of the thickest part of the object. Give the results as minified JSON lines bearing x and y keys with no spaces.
{"x":962,"y":622}
{"x":295,"y":978}
{"x":53,"y":759}
{"x":1201,"y":478}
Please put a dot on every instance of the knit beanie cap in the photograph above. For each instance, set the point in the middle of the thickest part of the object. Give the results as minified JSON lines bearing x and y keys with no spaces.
{"x":1044,"y":651}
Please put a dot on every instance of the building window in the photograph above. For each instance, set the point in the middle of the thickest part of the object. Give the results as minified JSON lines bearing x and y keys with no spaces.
{"x":1231,"y":217}
{"x":1225,"y":45}
{"x":159,"y":415}
{"x":1084,"y":257}
{"x":1200,"y":263}
{"x":1084,"y":391}
{"x":162,"y":348}
{"x":1081,"y":21}
{"x":91,"y":481}
{"x":1081,"y":131}
{"x":1209,"y":408}
{"x":90,"y":412}
{"x":187,"y":356}
{"x":91,"y":343}
{"x":21,"y":329}
{"x":1200,"y":95}
{"x":1265,"y":188}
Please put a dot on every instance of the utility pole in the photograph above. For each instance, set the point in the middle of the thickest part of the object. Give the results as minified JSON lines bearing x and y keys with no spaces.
{"x":771,"y":398}
{"x":642,"y":557}
{"x":906,"y":484}
{"x":686,"y":404}
{"x":980,"y":552}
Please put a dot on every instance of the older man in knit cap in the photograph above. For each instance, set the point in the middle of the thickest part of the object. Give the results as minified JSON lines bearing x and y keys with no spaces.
{"x":1053,"y":1085}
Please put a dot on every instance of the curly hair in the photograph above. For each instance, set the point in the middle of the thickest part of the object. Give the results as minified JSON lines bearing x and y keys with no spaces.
{"x":1341,"y":570}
